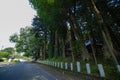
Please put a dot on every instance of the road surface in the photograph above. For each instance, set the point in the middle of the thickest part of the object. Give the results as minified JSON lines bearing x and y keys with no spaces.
{"x":25,"y":71}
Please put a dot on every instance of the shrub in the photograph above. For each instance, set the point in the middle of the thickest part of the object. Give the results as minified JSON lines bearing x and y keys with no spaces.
{"x":1,"y":60}
{"x":4,"y":54}
{"x":15,"y":60}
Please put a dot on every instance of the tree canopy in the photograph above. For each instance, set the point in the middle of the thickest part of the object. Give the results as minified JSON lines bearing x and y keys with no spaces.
{"x":76,"y":29}
{"x":9,"y":50}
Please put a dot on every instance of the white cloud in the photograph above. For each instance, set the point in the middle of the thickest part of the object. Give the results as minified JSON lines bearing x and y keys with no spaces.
{"x":14,"y":14}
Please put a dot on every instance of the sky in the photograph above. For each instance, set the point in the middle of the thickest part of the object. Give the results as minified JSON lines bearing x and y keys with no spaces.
{"x":14,"y":14}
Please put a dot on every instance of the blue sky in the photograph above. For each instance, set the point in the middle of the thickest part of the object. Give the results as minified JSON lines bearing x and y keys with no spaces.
{"x":14,"y":14}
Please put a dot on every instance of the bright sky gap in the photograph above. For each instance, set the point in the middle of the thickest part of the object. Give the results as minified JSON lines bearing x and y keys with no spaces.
{"x":14,"y":14}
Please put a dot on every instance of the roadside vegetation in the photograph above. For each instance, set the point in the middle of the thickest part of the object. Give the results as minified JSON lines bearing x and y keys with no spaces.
{"x":4,"y":56}
{"x":9,"y":53}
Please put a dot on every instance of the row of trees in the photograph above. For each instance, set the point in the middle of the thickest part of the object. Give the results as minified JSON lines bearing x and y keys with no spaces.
{"x":79,"y":29}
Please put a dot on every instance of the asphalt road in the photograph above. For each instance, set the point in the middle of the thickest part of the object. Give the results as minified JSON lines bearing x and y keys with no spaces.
{"x":25,"y":71}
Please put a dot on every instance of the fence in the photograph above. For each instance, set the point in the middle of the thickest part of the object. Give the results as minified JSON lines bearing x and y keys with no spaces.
{"x":76,"y":66}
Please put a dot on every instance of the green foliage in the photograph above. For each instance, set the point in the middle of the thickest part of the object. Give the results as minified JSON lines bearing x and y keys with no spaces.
{"x":27,"y":55}
{"x":55,"y":13}
{"x":24,"y":41}
{"x":77,"y":46}
{"x":94,"y":70}
{"x":13,"y":38}
{"x":112,"y":72}
{"x":4,"y":54}
{"x":9,"y":50}
{"x":15,"y":60}
{"x":1,"y":60}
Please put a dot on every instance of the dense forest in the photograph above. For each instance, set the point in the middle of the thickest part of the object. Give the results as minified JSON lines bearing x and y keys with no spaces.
{"x":87,"y":30}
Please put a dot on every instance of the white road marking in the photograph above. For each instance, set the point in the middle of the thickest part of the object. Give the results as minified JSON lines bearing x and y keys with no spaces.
{"x":39,"y":77}
{"x":43,"y":78}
